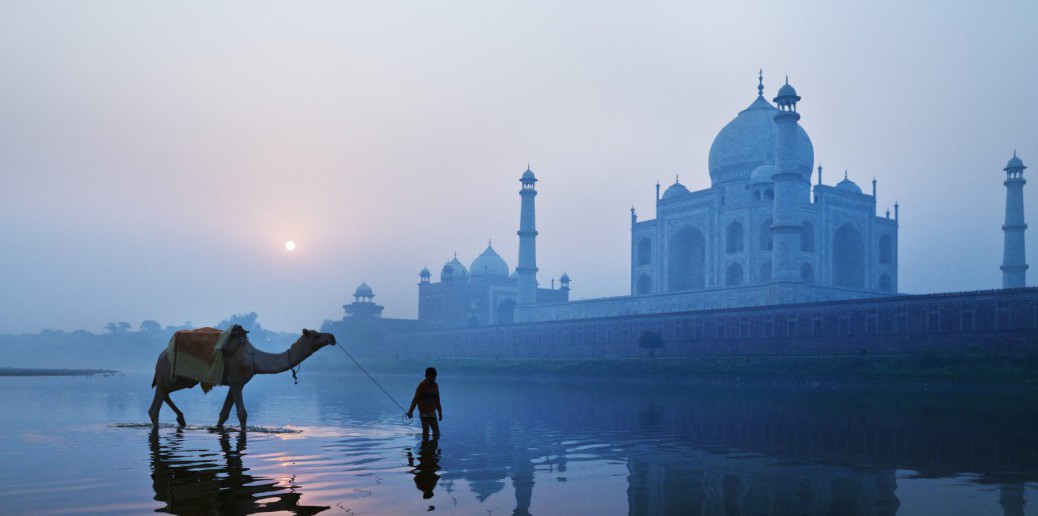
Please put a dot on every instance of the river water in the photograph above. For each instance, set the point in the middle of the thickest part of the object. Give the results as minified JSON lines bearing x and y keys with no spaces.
{"x":334,"y":444}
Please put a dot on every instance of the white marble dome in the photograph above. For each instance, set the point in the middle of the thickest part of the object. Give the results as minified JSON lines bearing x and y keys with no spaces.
{"x":675,"y":191}
{"x":749,"y":142}
{"x":762,"y":174}
{"x":489,"y":264}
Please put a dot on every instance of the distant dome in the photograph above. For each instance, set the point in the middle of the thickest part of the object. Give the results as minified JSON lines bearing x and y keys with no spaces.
{"x":763,"y":174}
{"x":748,"y":142}
{"x":564,"y":278}
{"x":1015,"y":162}
{"x":425,"y":272}
{"x":674,"y":191}
{"x":453,"y":270}
{"x":848,"y":185}
{"x":489,"y":264}
{"x":363,"y":291}
{"x":528,"y":175}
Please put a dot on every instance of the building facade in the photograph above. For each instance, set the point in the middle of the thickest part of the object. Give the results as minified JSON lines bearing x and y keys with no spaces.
{"x":761,"y":235}
{"x":736,"y":232}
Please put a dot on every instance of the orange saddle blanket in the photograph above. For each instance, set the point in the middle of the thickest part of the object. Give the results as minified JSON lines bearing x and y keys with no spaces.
{"x":193,"y":354}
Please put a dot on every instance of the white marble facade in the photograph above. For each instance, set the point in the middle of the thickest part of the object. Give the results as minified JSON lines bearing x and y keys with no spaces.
{"x":722,"y":237}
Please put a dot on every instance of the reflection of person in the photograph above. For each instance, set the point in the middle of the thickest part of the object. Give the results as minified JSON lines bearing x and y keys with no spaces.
{"x":427,"y":398}
{"x":425,"y":476}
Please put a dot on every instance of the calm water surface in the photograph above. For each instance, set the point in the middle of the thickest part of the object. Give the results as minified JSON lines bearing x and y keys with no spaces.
{"x":335,"y":445}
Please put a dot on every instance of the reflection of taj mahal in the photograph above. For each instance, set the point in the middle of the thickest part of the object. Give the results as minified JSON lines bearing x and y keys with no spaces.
{"x":760,"y":235}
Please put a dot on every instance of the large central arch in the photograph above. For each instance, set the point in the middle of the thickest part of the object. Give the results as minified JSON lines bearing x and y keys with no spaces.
{"x":505,"y":311}
{"x":686,"y":267}
{"x":848,"y":258}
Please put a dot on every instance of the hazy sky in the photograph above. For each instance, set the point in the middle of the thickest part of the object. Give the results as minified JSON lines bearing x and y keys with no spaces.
{"x":155,"y":156}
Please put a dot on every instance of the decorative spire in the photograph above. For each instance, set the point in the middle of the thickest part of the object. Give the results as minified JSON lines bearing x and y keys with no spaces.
{"x":760,"y":82}
{"x":819,"y":172}
{"x":844,"y":174}
{"x":787,"y":78}
{"x":676,"y":179}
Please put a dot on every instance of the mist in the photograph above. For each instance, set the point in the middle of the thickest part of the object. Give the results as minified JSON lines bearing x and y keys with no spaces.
{"x":156,"y":157}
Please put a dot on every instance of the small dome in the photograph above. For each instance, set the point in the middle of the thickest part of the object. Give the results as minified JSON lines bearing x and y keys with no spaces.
{"x":1015,"y":162}
{"x":848,"y":185}
{"x":363,"y":291}
{"x":763,"y":173}
{"x":675,"y":191}
{"x":489,"y":264}
{"x":453,"y":270}
{"x":528,"y":176}
{"x":564,"y":278}
{"x":787,"y":90}
{"x":425,"y":272}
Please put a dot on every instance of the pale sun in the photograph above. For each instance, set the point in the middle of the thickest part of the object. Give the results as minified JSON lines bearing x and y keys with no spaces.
{"x":290,"y":246}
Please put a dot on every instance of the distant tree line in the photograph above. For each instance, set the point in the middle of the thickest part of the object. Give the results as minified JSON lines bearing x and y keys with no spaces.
{"x":119,"y":346}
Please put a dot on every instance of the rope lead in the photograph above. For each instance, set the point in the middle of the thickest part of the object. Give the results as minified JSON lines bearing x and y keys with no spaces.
{"x":370,"y":377}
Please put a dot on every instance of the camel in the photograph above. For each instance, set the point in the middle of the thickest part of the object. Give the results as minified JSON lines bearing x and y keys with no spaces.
{"x":241,"y":363}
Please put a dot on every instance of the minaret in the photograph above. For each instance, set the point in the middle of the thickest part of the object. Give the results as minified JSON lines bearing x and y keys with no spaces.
{"x":786,"y":225}
{"x":1014,"y":261}
{"x":526,"y":270}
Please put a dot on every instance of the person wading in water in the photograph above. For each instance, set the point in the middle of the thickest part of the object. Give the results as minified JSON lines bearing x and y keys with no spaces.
{"x":427,"y":398}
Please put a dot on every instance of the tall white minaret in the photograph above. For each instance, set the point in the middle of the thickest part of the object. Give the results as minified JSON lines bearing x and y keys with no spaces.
{"x":526,"y":270}
{"x":1014,"y":260}
{"x":789,"y":188}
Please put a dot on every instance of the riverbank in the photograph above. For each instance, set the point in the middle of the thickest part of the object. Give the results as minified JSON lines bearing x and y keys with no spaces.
{"x":35,"y":371}
{"x":1015,"y":368}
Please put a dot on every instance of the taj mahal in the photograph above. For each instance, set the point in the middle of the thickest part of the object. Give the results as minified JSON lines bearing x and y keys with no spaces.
{"x":768,"y":231}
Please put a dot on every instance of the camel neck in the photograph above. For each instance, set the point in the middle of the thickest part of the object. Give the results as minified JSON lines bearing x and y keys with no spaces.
{"x":273,"y":363}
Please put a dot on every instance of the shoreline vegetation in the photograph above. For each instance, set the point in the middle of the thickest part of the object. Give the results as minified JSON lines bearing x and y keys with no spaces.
{"x":38,"y":371}
{"x":960,"y":368}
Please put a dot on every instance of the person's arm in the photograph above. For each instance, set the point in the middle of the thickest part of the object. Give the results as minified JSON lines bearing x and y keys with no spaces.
{"x":439,"y":408}
{"x":414,"y":402}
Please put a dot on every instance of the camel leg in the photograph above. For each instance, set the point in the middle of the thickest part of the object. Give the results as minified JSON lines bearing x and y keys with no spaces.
{"x":225,"y":412}
{"x":240,"y":405}
{"x":156,"y":406}
{"x":180,"y":415}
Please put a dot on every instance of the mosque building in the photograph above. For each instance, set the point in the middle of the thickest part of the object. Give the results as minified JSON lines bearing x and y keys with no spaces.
{"x":486,"y":293}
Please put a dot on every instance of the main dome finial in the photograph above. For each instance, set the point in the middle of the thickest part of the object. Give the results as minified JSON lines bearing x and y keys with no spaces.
{"x":760,"y":82}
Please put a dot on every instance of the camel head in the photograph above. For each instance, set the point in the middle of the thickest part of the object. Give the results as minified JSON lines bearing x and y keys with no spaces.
{"x":315,"y":340}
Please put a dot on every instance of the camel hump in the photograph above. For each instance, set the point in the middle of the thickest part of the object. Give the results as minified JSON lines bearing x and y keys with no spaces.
{"x":238,"y":335}
{"x":231,"y":346}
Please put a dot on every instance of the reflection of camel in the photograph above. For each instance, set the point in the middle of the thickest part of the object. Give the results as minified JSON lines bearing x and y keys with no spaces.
{"x":240,"y":364}
{"x":425,"y":476}
{"x":192,"y":484}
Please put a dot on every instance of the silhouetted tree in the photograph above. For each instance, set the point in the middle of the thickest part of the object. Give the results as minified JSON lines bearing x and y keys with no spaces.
{"x":247,"y":321}
{"x":650,"y":340}
{"x":150,"y":327}
{"x":117,"y":328}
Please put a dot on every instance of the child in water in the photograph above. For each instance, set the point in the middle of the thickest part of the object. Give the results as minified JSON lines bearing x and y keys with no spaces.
{"x":427,"y":398}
